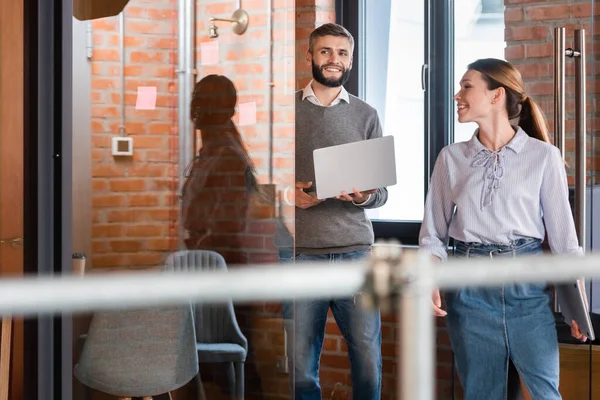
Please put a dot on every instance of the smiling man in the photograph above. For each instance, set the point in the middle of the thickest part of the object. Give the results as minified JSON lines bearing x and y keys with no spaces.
{"x":335,"y":229}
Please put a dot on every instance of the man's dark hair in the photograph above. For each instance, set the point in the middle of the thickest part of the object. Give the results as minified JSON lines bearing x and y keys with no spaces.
{"x":330,"y":30}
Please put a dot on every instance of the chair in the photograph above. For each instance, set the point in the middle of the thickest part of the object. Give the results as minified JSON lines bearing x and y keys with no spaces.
{"x":140,"y":353}
{"x":219,"y":338}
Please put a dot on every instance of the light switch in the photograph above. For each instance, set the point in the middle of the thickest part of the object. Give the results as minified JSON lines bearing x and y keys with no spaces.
{"x":122,"y":146}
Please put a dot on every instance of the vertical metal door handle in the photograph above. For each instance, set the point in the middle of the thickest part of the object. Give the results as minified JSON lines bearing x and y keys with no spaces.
{"x":580,"y":135}
{"x":559,"y":89}
{"x":578,"y":53}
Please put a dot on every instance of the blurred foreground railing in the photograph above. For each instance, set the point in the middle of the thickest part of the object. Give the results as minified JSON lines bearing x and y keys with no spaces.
{"x":407,"y":280}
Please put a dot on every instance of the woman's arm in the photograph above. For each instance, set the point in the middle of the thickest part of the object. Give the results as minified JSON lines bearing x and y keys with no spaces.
{"x":439,"y":208}
{"x":557,"y":214}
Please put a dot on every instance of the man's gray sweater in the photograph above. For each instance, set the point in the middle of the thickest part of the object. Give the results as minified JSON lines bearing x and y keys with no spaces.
{"x":333,"y":226}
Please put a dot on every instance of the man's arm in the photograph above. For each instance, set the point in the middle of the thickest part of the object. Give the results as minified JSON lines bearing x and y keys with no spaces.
{"x":375,"y":200}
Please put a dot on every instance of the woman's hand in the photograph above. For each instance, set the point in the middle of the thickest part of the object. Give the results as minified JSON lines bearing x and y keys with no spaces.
{"x":437,"y":304}
{"x":576,"y":332}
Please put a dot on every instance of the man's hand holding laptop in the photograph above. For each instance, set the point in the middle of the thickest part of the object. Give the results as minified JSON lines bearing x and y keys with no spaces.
{"x":357,"y":197}
{"x":305,"y":200}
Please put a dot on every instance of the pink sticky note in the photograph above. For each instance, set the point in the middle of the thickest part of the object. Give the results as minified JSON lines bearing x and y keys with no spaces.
{"x":146,"y":98}
{"x":209,"y":53}
{"x":248,"y":113}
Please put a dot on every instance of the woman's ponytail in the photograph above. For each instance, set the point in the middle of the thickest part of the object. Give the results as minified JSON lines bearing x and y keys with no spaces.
{"x":532,"y":120}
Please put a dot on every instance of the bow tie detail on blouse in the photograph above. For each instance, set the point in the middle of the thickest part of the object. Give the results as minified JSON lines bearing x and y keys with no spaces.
{"x":493,"y":162}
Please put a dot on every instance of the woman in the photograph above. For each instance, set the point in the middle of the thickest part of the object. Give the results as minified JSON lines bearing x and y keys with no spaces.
{"x":497,"y":195}
{"x":216,"y":196}
{"x":221,"y":179}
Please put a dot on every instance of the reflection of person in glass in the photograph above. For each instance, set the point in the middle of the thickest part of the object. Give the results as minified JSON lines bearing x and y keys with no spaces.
{"x":217,"y":193}
{"x":497,"y":195}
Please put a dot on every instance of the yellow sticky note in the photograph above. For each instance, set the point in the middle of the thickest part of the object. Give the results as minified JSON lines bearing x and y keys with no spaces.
{"x":146,"y":98}
{"x":248,"y":113}
{"x":209,"y":53}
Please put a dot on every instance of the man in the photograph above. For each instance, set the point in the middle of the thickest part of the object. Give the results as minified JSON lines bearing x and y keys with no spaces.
{"x":335,"y":229}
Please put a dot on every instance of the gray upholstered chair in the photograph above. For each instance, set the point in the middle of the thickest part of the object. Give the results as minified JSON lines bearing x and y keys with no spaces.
{"x":140,"y":353}
{"x":219,"y":338}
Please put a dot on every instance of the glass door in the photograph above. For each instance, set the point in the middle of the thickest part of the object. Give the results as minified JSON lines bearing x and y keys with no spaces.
{"x":201,"y":99}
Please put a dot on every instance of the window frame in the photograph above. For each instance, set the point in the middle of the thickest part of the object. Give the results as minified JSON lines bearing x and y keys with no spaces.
{"x":48,"y":188}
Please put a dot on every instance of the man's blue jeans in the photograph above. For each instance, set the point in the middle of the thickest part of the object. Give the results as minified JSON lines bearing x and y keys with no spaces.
{"x":361,"y":329}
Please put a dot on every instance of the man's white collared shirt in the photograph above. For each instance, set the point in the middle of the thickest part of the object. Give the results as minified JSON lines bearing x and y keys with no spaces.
{"x":309,"y":94}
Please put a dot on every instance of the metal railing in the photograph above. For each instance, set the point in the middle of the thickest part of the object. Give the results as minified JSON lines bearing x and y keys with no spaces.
{"x":389,"y":277}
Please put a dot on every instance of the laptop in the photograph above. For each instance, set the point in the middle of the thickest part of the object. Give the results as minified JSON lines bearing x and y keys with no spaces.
{"x":573,"y":306}
{"x":366,"y":164}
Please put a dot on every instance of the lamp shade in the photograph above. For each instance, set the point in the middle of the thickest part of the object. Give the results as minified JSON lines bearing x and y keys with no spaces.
{"x":85,"y":10}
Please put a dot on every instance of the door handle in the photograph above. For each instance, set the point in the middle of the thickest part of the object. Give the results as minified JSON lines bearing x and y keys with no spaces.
{"x":578,"y":54}
{"x":15,"y":242}
{"x":559,"y":89}
{"x":580,"y":135}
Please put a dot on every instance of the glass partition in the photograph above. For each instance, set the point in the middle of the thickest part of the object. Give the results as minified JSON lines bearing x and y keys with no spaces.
{"x":184,"y":141}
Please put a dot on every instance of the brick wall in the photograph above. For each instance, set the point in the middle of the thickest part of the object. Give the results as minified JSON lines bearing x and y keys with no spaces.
{"x":529,"y":37}
{"x":133,"y":198}
{"x":135,"y":210}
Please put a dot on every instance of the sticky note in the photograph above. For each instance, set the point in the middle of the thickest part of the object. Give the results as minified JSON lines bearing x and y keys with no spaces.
{"x":248,"y":113}
{"x":146,"y":98}
{"x":209,"y":53}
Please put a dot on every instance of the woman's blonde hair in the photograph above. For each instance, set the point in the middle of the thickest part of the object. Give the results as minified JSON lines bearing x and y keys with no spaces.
{"x":499,"y":73}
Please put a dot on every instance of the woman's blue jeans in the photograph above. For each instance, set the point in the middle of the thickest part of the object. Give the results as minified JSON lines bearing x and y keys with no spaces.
{"x":489,"y":327}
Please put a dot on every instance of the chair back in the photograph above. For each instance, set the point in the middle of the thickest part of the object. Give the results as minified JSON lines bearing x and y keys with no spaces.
{"x":214,"y":323}
{"x":138,"y":353}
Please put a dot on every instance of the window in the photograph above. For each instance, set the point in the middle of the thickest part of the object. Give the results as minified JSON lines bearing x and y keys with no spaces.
{"x":393,"y":87}
{"x":402,"y":57}
{"x":492,"y":6}
{"x":391,"y":60}
{"x":479,"y":34}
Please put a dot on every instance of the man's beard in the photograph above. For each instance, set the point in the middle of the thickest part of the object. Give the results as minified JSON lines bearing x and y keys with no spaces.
{"x":318,"y":76}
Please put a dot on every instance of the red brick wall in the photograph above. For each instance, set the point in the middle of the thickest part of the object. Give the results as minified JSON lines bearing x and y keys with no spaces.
{"x":133,"y":198}
{"x":135,"y":209}
{"x":530,"y":39}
